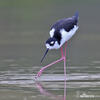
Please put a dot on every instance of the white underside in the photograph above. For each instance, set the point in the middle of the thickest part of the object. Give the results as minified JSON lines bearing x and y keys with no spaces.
{"x":67,"y":35}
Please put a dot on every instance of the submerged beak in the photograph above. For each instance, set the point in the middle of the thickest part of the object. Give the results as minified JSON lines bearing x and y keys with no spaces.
{"x":44,"y":55}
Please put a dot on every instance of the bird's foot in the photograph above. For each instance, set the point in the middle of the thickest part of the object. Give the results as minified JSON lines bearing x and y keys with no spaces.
{"x":38,"y":74}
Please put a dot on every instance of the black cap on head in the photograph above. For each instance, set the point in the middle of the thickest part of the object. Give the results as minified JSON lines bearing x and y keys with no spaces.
{"x":51,"y":41}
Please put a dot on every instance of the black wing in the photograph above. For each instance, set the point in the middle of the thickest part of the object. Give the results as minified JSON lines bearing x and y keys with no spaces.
{"x":66,"y":23}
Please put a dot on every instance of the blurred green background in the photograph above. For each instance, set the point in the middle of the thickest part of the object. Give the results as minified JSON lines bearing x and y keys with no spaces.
{"x":25,"y":25}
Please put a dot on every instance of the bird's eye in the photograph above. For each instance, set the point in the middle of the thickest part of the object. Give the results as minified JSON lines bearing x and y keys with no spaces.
{"x":52,"y":42}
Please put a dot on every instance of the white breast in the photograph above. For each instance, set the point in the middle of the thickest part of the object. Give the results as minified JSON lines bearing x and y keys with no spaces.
{"x":67,"y":35}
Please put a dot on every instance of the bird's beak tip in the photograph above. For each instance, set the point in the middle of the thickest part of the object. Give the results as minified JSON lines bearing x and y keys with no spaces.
{"x":45,"y":54}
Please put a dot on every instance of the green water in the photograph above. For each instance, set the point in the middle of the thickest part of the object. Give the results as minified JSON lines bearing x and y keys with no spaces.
{"x":24,"y":28}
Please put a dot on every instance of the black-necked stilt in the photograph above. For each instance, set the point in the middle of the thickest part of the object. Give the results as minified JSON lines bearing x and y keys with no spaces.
{"x":60,"y":33}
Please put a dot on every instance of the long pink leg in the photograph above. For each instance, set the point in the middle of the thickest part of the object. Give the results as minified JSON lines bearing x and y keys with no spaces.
{"x":62,"y":58}
{"x":65,"y":60}
{"x":62,"y":55}
{"x":43,"y":68}
{"x":65,"y":72}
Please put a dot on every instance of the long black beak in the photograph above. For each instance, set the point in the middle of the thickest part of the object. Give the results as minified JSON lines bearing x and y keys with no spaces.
{"x":44,"y":55}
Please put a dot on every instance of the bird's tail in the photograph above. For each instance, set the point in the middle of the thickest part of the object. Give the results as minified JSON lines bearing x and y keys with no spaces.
{"x":76,"y":15}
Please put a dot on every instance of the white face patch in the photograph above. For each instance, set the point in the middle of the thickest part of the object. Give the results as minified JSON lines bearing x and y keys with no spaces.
{"x":55,"y":46}
{"x":52,"y":32}
{"x":47,"y":46}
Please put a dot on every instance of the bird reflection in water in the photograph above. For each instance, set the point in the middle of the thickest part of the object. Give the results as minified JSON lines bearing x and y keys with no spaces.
{"x":51,"y":95}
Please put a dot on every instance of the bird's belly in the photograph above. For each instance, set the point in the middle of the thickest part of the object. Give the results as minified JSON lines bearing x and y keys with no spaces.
{"x":67,"y":35}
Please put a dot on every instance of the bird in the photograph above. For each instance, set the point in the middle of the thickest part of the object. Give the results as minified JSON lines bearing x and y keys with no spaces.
{"x":60,"y":33}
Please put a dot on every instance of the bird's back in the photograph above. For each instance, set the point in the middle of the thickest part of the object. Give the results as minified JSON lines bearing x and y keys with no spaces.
{"x":66,"y":23}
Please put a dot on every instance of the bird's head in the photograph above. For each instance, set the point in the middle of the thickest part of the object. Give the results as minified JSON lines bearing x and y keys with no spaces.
{"x":51,"y":43}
